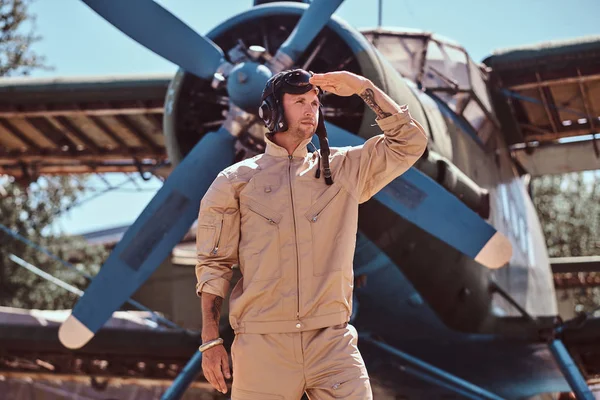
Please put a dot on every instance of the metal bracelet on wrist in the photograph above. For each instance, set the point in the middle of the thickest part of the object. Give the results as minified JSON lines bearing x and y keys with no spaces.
{"x":210,"y":344}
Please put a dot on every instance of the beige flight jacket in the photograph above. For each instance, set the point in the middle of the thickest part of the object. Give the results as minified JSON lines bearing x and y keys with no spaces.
{"x":292,"y":235}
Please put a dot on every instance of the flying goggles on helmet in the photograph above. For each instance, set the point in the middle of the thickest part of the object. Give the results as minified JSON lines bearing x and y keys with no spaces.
{"x":271,"y":111}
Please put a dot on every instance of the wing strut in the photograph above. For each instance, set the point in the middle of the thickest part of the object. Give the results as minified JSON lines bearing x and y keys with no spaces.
{"x":185,"y":378}
{"x":431,"y":374}
{"x":570,"y":370}
{"x":564,"y":360}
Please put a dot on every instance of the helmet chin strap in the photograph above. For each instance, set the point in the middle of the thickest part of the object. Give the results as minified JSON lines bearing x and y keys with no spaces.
{"x":321,"y":133}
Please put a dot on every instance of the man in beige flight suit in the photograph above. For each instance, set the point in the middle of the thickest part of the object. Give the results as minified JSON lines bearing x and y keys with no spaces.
{"x":293,"y":233}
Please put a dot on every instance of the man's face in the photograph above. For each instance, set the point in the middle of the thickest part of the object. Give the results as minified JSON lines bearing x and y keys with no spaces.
{"x":301,"y":113}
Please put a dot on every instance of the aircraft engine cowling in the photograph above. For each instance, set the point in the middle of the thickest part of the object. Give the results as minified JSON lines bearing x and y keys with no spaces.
{"x":193,"y":107}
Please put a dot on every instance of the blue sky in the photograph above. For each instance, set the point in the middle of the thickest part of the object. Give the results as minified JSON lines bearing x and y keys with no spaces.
{"x":77,"y":42}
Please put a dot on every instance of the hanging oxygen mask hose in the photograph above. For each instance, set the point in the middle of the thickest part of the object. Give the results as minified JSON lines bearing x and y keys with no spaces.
{"x":271,"y":111}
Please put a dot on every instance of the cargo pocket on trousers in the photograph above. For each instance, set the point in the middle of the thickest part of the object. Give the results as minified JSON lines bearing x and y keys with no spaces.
{"x":241,"y":394}
{"x":349,"y":386}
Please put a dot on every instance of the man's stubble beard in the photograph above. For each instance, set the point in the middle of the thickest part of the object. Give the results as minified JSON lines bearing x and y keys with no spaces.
{"x":298,"y":134}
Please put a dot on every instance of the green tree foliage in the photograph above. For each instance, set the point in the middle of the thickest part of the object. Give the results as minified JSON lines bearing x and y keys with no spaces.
{"x":30,"y":208}
{"x":31,"y":212}
{"x":569,"y":210}
{"x":16,"y":37}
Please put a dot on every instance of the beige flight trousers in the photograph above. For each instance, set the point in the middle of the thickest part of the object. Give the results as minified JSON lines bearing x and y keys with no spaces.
{"x":325,"y":363}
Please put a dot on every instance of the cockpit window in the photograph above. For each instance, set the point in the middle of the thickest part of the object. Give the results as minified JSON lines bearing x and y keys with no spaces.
{"x":443,"y":68}
{"x":404,"y":53}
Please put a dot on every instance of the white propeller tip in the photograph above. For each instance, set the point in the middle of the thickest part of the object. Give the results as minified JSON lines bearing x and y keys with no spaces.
{"x":73,"y":334}
{"x":496,"y":253}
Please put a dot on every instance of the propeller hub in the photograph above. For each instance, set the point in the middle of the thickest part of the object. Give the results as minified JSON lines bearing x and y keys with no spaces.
{"x":246,"y":83}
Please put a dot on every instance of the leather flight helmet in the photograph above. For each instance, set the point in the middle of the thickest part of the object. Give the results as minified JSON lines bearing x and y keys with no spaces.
{"x":271,"y":110}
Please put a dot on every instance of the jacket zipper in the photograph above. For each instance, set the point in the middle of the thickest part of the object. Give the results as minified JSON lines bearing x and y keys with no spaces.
{"x":295,"y":238}
{"x":216,"y":248}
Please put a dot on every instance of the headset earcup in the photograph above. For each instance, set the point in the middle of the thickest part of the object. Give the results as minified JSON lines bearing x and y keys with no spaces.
{"x":266,"y":113}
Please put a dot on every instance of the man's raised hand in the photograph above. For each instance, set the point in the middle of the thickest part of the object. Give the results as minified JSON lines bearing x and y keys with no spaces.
{"x":341,"y":83}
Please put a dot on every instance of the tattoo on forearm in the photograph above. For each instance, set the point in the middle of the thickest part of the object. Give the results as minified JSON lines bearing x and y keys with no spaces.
{"x":216,"y":309}
{"x":369,"y":97}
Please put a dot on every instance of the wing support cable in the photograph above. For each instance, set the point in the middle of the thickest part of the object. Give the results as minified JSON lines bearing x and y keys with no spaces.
{"x":495,"y":288}
{"x":139,"y":306}
{"x":519,"y":96}
{"x":111,"y":188}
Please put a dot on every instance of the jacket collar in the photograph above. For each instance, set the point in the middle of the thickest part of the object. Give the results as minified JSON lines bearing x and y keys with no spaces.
{"x":275,"y":150}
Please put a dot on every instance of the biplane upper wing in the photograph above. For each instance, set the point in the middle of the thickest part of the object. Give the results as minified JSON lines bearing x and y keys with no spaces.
{"x":545,"y":96}
{"x":81,"y":125}
{"x":548,"y":99}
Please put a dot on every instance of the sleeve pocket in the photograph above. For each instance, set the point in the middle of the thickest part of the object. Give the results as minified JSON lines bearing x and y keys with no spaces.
{"x":216,"y":234}
{"x":227,"y":235}
{"x":205,"y":238}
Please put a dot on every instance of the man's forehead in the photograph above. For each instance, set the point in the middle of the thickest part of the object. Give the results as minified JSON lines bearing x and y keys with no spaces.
{"x":310,"y":95}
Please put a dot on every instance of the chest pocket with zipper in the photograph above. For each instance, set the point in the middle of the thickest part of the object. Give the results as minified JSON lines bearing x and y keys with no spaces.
{"x":259,"y":250}
{"x":325,"y":228}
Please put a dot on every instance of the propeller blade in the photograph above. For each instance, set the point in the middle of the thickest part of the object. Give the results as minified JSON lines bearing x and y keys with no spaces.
{"x":309,"y":26}
{"x":461,"y":228}
{"x":157,"y":29}
{"x":150,"y":239}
